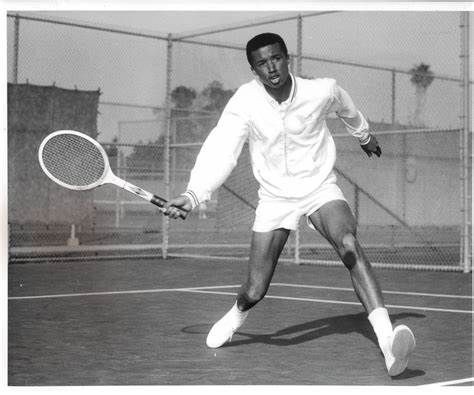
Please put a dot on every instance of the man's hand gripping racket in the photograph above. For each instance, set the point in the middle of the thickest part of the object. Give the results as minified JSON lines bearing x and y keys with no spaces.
{"x":76,"y":161}
{"x":178,"y":203}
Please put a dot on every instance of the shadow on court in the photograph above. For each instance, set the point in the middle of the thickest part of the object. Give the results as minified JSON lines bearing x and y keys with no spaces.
{"x":312,"y":330}
{"x":308,"y":331}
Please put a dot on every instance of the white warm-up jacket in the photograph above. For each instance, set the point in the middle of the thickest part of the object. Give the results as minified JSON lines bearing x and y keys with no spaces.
{"x":291,"y":149}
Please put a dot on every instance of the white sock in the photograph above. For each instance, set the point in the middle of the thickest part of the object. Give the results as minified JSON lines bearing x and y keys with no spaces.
{"x":382,"y":327}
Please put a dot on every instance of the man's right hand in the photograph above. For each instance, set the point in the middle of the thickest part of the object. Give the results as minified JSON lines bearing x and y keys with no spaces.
{"x":181,"y":202}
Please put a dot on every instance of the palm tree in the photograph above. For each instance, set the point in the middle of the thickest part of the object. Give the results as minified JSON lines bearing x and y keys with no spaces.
{"x":421,"y":78}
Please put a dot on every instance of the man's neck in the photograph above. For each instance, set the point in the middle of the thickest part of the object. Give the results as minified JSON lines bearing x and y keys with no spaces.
{"x":282,"y":93}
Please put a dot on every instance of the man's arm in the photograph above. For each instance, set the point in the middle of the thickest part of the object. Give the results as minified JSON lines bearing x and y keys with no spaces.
{"x":354,"y":121}
{"x":215,"y":161}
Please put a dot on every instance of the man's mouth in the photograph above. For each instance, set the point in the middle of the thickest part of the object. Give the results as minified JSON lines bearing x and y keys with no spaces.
{"x":275,"y":79}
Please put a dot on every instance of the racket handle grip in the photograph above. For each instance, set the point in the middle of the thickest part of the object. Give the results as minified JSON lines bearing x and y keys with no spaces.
{"x":160,"y":202}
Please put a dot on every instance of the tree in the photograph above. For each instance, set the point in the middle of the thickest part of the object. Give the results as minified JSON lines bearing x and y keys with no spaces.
{"x":421,"y":78}
{"x":183,"y":97}
{"x":184,"y":127}
{"x":215,"y":97}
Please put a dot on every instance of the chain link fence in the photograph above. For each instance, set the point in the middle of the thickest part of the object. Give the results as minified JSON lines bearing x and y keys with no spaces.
{"x":160,"y":95}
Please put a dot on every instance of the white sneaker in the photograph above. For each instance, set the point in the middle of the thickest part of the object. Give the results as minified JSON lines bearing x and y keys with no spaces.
{"x":222,"y":330}
{"x":402,"y":345}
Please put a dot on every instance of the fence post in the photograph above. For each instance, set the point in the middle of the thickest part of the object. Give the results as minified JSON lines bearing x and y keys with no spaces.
{"x":299,"y":52}
{"x":356,"y":203}
{"x":465,"y":151}
{"x":16,"y":49}
{"x":403,"y":186}
{"x":299,"y":45}
{"x":393,"y":96}
{"x":166,"y":153}
{"x":118,"y":202}
{"x":297,"y":245}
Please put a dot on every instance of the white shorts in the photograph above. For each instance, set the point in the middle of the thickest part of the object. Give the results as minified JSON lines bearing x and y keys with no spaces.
{"x":273,"y":213}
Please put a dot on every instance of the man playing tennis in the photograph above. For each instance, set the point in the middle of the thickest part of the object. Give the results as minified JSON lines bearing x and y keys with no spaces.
{"x":293,"y":156}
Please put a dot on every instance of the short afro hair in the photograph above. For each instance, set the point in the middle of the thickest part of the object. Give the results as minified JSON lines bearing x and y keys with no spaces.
{"x":262,"y":40}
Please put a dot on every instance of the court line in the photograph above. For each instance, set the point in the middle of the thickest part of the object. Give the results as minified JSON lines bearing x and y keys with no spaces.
{"x":345,"y":289}
{"x":385,"y":292}
{"x":333,"y":301}
{"x":104,"y":293}
{"x":69,"y":295}
{"x":452,"y":382}
{"x":206,"y":290}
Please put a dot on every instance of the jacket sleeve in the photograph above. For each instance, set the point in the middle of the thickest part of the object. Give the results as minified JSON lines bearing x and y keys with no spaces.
{"x":345,"y":109}
{"x":219,"y":153}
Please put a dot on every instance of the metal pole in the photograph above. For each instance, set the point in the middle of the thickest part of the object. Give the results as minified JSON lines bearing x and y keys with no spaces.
{"x":173,"y":153}
{"x":299,"y":44}
{"x":465,"y":151}
{"x":16,"y":49}
{"x":166,"y":153}
{"x":90,"y":26}
{"x":356,"y":203}
{"x":403,"y":176}
{"x":393,"y":95}
{"x":299,"y":51}
{"x":297,"y":245}
{"x":252,"y":24}
{"x":118,"y":202}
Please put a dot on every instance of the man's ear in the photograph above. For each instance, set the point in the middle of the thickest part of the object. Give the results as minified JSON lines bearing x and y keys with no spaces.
{"x":253,"y":71}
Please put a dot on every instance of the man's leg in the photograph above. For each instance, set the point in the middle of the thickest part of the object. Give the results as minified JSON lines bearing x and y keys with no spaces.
{"x":335,"y":222}
{"x":265,"y":249}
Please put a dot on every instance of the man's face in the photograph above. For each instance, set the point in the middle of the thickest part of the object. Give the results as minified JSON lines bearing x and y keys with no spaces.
{"x":270,"y":65}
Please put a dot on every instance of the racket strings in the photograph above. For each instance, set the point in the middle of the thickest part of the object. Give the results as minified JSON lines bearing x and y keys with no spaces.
{"x":73,"y":160}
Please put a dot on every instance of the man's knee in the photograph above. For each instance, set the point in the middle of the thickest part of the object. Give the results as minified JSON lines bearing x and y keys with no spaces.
{"x":348,"y":250}
{"x":348,"y":242}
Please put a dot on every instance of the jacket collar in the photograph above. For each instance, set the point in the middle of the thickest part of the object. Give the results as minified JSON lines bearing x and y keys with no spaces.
{"x":291,"y":96}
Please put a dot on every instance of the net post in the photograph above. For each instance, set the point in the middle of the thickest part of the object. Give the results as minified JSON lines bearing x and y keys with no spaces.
{"x":166,"y":153}
{"x":73,"y":240}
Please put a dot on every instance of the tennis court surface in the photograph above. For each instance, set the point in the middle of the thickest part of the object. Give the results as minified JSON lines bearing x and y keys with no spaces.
{"x":145,"y":321}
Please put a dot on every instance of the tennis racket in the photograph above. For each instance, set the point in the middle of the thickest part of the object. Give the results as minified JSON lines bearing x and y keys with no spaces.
{"x":76,"y":161}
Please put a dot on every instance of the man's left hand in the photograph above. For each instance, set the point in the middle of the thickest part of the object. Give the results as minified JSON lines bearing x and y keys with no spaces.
{"x":372,"y":147}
